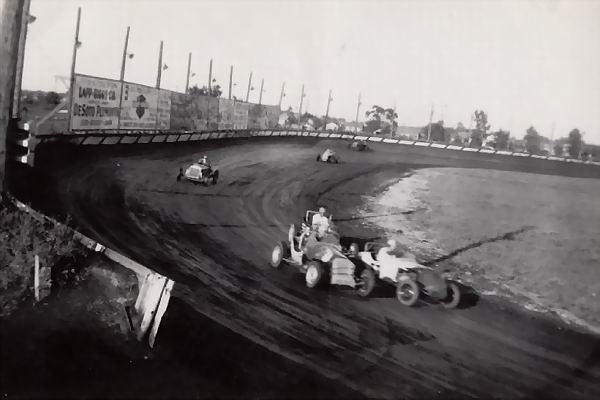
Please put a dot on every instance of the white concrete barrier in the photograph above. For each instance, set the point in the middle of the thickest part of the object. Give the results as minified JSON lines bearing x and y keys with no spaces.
{"x":100,"y":138}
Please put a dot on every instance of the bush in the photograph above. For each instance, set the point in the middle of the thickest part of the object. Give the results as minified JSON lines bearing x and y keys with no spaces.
{"x":21,"y":238}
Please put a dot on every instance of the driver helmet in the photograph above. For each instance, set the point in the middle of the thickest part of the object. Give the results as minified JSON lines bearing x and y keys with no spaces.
{"x":392,"y":244}
{"x":322,"y":211}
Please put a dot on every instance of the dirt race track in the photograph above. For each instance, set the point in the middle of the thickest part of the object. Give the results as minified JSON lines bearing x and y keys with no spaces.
{"x":215,"y":242}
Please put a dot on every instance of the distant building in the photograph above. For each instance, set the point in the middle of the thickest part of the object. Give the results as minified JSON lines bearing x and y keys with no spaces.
{"x":332,"y":126}
{"x":354,"y":126}
{"x":408,"y":132}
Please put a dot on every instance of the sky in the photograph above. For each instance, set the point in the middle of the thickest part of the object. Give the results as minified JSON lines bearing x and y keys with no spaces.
{"x":523,"y":62}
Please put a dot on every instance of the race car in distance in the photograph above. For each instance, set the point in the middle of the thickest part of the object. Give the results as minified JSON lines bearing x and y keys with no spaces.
{"x":358,"y":145}
{"x":328,"y":156}
{"x":322,"y":259}
{"x":411,"y":278}
{"x":200,"y":172}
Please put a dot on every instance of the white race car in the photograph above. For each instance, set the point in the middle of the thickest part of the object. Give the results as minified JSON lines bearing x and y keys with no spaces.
{"x":322,"y":259}
{"x":328,"y":156}
{"x":411,"y":278}
{"x":200,"y":173}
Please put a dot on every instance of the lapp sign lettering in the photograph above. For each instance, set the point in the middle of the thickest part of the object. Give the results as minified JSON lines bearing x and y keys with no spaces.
{"x":95,"y":103}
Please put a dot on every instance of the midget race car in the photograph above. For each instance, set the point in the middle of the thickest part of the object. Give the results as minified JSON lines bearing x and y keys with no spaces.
{"x":323,"y":260}
{"x":358,"y":145}
{"x":411,"y":278}
{"x":328,"y":156}
{"x":200,"y":173}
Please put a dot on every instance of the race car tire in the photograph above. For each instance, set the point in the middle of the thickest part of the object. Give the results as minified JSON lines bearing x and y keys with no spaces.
{"x":279,"y":252}
{"x":315,"y":274}
{"x":407,"y":292}
{"x":215,"y":177}
{"x":366,"y":282}
{"x":328,"y":160}
{"x":453,"y":299}
{"x":319,"y":158}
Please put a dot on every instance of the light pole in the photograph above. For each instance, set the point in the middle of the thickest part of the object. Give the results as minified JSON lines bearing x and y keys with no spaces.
{"x":301,"y":101}
{"x":249,"y":84}
{"x":230,"y":80}
{"x":357,"y":111}
{"x":329,"y":99}
{"x":282,"y":94}
{"x":262,"y":83}
{"x":122,"y":77}
{"x":76,"y":45}
{"x":160,"y":65}
{"x":187,"y":79}
{"x":429,"y":127}
{"x":210,"y":78}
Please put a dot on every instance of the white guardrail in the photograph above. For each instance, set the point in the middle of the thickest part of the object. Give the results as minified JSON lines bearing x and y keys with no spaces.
{"x":144,"y":136}
{"x":154,"y":289}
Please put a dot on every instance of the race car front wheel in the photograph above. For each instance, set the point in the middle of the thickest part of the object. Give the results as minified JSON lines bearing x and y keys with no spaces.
{"x":407,"y":292}
{"x":314,"y":274}
{"x":278,"y":253}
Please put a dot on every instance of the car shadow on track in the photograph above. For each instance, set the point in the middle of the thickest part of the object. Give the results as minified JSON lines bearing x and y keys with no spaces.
{"x":469,"y":297}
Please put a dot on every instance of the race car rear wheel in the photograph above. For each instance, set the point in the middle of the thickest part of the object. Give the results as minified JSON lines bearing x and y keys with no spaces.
{"x":366,"y":282}
{"x":453,"y":298}
{"x":407,"y":292}
{"x":279,"y":252}
{"x":215,"y":177}
{"x":315,"y":273}
{"x":319,"y":157}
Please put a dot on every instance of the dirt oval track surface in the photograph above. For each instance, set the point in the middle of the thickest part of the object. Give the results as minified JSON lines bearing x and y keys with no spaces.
{"x":215,"y":242}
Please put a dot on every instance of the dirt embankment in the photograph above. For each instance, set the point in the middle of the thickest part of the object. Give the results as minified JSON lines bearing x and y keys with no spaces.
{"x":531,"y":237}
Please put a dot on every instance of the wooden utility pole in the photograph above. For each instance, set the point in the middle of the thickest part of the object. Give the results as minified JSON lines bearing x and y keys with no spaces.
{"x":25,"y":19}
{"x":11,"y":17}
{"x":262,"y":83}
{"x":429,"y":126}
{"x":210,"y":78}
{"x":301,"y":101}
{"x":357,"y":111}
{"x":160,"y":65}
{"x":329,"y":98}
{"x":123,"y":61}
{"x":282,"y":94}
{"x":249,"y":84}
{"x":76,"y":45}
{"x":230,"y":80}
{"x":187,"y":79}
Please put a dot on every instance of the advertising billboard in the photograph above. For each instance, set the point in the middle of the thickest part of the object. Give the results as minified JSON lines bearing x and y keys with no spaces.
{"x":139,"y":107}
{"x":95,"y":103}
